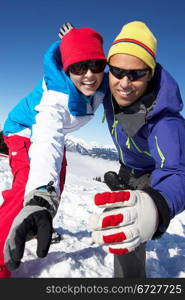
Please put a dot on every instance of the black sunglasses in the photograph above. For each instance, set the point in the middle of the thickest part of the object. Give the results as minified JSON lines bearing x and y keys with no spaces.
{"x":131,"y":74}
{"x":96,"y":66}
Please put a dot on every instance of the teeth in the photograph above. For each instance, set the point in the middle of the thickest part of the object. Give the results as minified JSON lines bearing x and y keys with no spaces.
{"x":89,"y":83}
{"x":125,"y":93}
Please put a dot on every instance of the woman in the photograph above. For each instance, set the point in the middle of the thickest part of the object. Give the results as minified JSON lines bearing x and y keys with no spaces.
{"x":64,"y":100}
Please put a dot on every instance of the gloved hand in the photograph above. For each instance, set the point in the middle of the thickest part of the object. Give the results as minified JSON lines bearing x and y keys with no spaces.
{"x":66,"y":27}
{"x":114,"y":182}
{"x":35,"y":219}
{"x":129,"y":219}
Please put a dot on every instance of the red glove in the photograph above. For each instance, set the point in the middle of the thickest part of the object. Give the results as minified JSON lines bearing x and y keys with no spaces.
{"x":130,"y":218}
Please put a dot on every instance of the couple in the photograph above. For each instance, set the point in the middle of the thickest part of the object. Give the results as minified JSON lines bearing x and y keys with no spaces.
{"x":142,"y":104}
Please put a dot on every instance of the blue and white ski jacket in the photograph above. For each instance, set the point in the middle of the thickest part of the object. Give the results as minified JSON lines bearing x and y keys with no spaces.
{"x":159,"y":145}
{"x":46,"y":115}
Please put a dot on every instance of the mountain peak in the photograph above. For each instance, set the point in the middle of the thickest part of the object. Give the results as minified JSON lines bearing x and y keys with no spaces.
{"x":92,"y":149}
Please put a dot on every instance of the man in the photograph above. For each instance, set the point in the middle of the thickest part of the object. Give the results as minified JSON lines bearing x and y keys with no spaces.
{"x":143,"y":113}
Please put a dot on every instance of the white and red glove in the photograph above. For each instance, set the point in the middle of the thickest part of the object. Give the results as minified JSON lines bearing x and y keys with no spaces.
{"x":129,"y":219}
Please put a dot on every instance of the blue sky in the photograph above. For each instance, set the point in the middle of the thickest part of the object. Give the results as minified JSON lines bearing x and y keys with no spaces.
{"x":27,"y":28}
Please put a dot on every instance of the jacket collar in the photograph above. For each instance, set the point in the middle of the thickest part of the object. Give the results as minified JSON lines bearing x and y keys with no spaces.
{"x":133,"y":117}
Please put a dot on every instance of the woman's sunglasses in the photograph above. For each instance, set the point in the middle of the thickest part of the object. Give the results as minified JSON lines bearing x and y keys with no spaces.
{"x":96,"y":66}
{"x":131,"y":74}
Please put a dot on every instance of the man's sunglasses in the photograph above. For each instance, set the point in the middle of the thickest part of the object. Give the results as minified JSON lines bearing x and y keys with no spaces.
{"x":131,"y":74}
{"x":96,"y":66}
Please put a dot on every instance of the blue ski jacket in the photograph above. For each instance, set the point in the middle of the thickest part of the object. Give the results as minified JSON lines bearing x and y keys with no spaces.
{"x":158,"y":146}
{"x":52,"y":110}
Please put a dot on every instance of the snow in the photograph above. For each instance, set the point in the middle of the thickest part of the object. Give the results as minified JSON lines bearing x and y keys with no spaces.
{"x":75,"y":256}
{"x":87,"y":145}
{"x":76,"y":141}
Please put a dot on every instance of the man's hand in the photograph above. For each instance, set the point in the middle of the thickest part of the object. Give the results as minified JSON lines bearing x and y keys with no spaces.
{"x":65,"y":29}
{"x":129,"y":219}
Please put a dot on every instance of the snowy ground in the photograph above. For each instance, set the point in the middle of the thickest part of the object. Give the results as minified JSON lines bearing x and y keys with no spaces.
{"x":74,"y":256}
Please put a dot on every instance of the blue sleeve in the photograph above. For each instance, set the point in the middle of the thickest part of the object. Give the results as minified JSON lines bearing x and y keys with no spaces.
{"x":23,"y":114}
{"x":167,"y":146}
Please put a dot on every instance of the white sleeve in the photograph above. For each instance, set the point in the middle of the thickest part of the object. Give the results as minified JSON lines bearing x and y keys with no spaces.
{"x":47,"y":143}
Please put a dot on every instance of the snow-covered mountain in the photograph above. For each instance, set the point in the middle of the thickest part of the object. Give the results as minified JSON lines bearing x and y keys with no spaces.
{"x":91,"y":149}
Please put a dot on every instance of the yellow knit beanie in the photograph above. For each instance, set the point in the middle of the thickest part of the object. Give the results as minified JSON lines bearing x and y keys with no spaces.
{"x":136,"y":39}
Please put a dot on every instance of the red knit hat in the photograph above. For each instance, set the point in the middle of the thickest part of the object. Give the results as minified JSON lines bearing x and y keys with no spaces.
{"x":79,"y":45}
